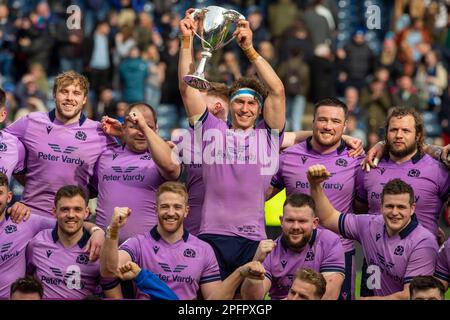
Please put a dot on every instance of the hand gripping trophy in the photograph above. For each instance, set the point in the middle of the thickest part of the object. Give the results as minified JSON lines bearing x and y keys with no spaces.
{"x":215,"y":30}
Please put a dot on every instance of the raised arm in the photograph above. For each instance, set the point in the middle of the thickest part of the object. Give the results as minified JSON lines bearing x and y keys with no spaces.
{"x":192,"y":98}
{"x":328,"y":215}
{"x":275,"y":105}
{"x":110,"y":257}
{"x":161,"y":153}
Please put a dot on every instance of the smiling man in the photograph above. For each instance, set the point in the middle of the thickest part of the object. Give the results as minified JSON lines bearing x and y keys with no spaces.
{"x":301,"y":245}
{"x":234,"y":161}
{"x":185,"y":263}
{"x":57,"y":257}
{"x":395,"y":246}
{"x":326,"y":146}
{"x":130,"y":170}
{"x":62,"y":145}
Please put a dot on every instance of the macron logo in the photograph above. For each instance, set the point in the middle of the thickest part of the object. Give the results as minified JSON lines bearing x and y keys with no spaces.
{"x":49,"y":129}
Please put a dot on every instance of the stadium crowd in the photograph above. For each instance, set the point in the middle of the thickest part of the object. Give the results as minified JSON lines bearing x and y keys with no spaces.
{"x":179,"y":176}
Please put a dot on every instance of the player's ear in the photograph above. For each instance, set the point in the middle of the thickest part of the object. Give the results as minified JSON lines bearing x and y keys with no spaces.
{"x":87,"y":213}
{"x":10,"y":196}
{"x":54,"y":211}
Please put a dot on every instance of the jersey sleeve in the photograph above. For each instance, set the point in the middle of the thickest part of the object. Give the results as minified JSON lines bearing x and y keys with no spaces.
{"x":30,"y":266}
{"x":21,"y":157}
{"x":422,"y":261}
{"x":132,"y":247}
{"x":19,"y":127}
{"x":277,"y":179}
{"x":350,"y":225}
{"x":443,"y":263}
{"x":211,"y":271}
{"x":360,"y":189}
{"x":443,"y":179}
{"x":267,"y":264}
{"x":334,"y":260}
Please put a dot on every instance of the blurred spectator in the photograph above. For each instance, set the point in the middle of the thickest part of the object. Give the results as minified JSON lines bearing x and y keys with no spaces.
{"x":431,"y":80}
{"x":28,"y":88}
{"x":323,"y":73}
{"x":444,"y":116}
{"x":228,"y":69}
{"x":156,"y":74}
{"x":70,"y":45}
{"x":295,"y":37}
{"x":353,"y":130}
{"x":31,"y":105}
{"x":281,"y":15}
{"x":376,"y":102}
{"x":388,"y":56}
{"x":7,"y":39}
{"x":382,"y":74}
{"x":97,"y":57}
{"x":296,"y":78}
{"x":358,"y":60}
{"x":146,"y":33}
{"x":267,"y":51}
{"x":318,"y":23}
{"x":405,"y":94}
{"x":256,"y":21}
{"x":413,"y":42}
{"x":170,"y":95}
{"x":124,"y":41}
{"x":40,"y":76}
{"x":351,"y":99}
{"x":133,"y":73}
{"x":106,"y":104}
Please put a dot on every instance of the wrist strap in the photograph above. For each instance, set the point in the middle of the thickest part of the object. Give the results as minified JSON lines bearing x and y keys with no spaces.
{"x":251,"y":54}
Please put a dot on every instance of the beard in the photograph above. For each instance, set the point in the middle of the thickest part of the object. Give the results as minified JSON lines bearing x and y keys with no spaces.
{"x":297,"y":246}
{"x":326,"y":143}
{"x":400,"y":153}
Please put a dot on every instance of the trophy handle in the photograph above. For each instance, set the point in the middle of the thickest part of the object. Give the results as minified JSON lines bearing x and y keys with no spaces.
{"x":232,"y":16}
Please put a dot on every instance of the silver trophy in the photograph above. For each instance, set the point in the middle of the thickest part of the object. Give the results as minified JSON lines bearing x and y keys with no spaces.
{"x":215,"y":30}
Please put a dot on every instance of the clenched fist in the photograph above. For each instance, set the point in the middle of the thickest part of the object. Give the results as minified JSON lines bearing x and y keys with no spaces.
{"x":264,"y":248}
{"x":317,"y":174}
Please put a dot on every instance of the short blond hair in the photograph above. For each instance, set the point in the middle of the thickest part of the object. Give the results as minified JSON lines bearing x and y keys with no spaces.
{"x":67,"y":78}
{"x":174,"y":187}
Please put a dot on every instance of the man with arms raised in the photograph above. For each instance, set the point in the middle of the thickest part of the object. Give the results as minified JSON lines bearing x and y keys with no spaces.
{"x":234,"y":230}
{"x":301,"y":245}
{"x":327,"y":147}
{"x":395,"y":246}
{"x":185,"y":263}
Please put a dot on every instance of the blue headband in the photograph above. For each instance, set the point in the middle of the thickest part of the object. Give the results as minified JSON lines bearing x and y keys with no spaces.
{"x":247,"y":92}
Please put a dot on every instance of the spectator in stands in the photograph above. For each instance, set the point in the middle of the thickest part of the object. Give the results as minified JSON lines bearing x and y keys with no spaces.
{"x":376,"y":102}
{"x":358,"y":60}
{"x":97,"y":57}
{"x":388,"y":57}
{"x":405,"y":94}
{"x":156,"y":73}
{"x":133,"y":72}
{"x":431,"y":80}
{"x":322,"y":70}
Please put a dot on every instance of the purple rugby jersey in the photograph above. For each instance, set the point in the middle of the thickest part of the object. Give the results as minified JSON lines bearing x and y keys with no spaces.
{"x":443,"y":262}
{"x":429,"y":179}
{"x":13,"y":242}
{"x":65,"y":273}
{"x":12,"y":154}
{"x":392,"y":261}
{"x":323,"y":253}
{"x":126,"y":178}
{"x":236,"y":176}
{"x":194,"y":180}
{"x":340,"y":187}
{"x":57,"y":155}
{"x":184,"y":266}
